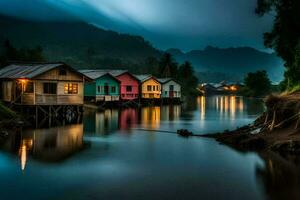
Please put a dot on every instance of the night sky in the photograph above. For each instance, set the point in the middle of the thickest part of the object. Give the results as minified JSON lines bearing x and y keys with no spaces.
{"x":184,"y":24}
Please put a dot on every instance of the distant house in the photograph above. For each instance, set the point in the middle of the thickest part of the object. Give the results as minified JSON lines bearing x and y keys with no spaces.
{"x":150,"y":87}
{"x":169,"y":88}
{"x":42,"y":84}
{"x":104,"y":87}
{"x":129,"y":84}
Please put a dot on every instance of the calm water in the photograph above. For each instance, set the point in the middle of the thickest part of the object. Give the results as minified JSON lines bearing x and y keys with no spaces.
{"x":117,"y":155}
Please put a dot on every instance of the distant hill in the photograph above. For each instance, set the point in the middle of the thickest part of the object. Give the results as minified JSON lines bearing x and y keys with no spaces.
{"x":84,"y":45}
{"x":77,"y":43}
{"x":217,"y":64}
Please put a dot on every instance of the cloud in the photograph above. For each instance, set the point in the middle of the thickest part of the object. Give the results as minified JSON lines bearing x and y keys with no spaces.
{"x":168,"y":23}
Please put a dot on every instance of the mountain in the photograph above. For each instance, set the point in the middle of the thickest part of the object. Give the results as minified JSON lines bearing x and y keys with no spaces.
{"x":84,"y":45}
{"x":77,"y":43}
{"x":217,"y":64}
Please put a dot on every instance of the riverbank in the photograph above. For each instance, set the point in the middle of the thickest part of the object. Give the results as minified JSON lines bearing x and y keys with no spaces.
{"x":10,"y":122}
{"x":277,"y":129}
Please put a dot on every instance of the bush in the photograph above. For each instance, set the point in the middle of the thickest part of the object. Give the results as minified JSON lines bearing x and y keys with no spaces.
{"x":293,"y":89}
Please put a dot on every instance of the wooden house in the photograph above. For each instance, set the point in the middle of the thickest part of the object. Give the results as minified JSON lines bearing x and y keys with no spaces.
{"x":129,"y":84}
{"x":104,"y":87}
{"x":42,"y":84}
{"x":169,"y":88}
{"x":150,"y":87}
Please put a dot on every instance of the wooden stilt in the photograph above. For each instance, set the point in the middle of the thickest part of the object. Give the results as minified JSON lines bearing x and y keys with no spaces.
{"x":36,"y":116}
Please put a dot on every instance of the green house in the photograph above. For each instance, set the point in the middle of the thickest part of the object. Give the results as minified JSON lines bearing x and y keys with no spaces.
{"x":104,"y":86}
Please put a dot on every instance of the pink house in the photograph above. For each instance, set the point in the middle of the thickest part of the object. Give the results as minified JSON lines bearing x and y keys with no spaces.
{"x":129,"y":84}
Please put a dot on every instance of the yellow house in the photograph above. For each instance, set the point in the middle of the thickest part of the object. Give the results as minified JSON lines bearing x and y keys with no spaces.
{"x":150,"y":88}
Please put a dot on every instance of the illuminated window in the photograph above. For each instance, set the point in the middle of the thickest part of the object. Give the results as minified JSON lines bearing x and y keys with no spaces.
{"x":71,"y":88}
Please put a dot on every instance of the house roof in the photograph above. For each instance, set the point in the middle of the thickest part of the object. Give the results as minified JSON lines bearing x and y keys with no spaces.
{"x":95,"y":74}
{"x":166,"y":80}
{"x":144,"y":77}
{"x":29,"y":70}
{"x":19,"y":70}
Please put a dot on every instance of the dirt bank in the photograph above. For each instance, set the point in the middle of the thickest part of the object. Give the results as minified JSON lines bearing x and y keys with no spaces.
{"x":277,"y":129}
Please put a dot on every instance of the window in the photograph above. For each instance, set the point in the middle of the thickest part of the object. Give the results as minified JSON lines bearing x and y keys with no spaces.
{"x":28,"y":87}
{"x":113,"y":89}
{"x":149,"y":87}
{"x":50,"y":88}
{"x":157,"y":88}
{"x":99,"y":89}
{"x":166,"y":93}
{"x":71,"y":88}
{"x":62,"y":72}
{"x":128,"y":88}
{"x":153,"y":87}
{"x":171,"y":87}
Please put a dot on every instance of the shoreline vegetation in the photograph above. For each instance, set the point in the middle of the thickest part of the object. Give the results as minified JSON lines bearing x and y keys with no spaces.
{"x":10,"y":122}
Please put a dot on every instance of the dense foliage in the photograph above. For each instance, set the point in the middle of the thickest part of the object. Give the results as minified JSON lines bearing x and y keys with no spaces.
{"x":257,"y":84}
{"x":6,"y":113}
{"x":285,"y":35}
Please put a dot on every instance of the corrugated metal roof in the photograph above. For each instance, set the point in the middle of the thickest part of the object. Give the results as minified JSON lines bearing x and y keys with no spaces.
{"x":97,"y":73}
{"x":15,"y":71}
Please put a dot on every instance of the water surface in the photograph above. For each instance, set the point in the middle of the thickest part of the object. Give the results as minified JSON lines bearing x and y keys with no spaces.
{"x":121,"y":154}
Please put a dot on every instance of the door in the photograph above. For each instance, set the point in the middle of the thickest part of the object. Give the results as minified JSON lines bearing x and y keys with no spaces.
{"x":171,"y":91}
{"x":106,"y":89}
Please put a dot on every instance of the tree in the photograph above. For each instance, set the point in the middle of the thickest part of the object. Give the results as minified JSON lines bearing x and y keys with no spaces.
{"x":167,"y":66}
{"x":187,"y":79}
{"x":257,"y":84}
{"x":285,"y":35}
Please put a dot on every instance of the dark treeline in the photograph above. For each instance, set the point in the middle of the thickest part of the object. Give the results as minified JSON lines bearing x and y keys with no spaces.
{"x":284,"y":38}
{"x":162,"y":67}
{"x":182,"y":73}
{"x":12,"y":54}
{"x":257,"y":84}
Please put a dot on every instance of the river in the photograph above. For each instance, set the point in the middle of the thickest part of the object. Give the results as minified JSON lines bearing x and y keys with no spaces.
{"x":135,"y":154}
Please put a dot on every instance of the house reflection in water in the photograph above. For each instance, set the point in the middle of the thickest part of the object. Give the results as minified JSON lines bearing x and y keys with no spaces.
{"x":170,"y":113}
{"x":49,"y":145}
{"x":227,"y":106}
{"x":128,"y":118}
{"x":150,"y":117}
{"x":101,"y":123}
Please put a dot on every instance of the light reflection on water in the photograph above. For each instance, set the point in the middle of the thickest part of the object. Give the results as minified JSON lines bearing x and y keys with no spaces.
{"x":109,"y":157}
